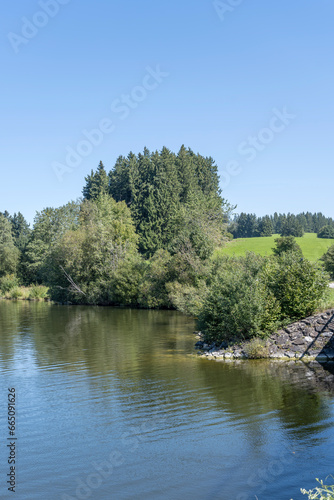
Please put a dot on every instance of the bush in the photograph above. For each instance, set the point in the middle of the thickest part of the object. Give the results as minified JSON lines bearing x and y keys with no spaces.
{"x":125,"y":281}
{"x":186,"y":298}
{"x":250,"y":296}
{"x":238,"y":305}
{"x":286,"y":244}
{"x":297,"y":284}
{"x":326,"y":232}
{"x":152,"y":289}
{"x":328,"y":259}
{"x":256,"y":349}
{"x":15,"y":293}
{"x":38,"y":292}
{"x":8,"y":282}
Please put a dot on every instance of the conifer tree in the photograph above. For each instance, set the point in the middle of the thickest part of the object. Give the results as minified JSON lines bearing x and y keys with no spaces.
{"x":20,"y":231}
{"x":96,"y":183}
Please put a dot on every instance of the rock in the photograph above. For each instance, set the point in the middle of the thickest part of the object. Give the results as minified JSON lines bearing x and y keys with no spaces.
{"x":277,"y":355}
{"x":307,"y":339}
{"x":282,"y":340}
{"x":297,"y":348}
{"x":327,"y":334}
{"x":220,"y":353}
{"x":299,"y":341}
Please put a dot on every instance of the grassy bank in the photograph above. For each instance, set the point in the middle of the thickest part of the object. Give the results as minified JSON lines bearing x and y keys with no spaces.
{"x":34,"y":292}
{"x":312,"y":247}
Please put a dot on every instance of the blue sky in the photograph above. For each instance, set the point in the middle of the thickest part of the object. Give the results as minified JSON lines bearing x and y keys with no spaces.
{"x":249,"y":83}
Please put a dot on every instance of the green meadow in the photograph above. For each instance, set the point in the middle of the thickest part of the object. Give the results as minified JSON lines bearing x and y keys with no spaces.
{"x":312,"y":247}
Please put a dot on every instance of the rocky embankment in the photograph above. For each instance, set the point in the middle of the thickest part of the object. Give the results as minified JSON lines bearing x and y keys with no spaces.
{"x":308,"y":339}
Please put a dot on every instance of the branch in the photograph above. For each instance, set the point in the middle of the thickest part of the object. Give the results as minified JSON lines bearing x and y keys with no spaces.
{"x":70,"y":280}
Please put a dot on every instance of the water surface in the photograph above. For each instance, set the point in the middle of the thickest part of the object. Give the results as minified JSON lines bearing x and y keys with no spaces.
{"x":112,"y":404}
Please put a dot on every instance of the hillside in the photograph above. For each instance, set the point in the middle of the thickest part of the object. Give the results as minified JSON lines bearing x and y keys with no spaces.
{"x":312,"y":247}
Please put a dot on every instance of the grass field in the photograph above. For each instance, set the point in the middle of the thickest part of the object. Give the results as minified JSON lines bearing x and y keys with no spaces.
{"x":312,"y":247}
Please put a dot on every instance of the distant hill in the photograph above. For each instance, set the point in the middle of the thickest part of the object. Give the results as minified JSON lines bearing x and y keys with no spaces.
{"x":313,"y":248}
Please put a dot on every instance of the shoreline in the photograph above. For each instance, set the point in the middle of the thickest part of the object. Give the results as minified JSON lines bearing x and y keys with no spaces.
{"x":307,"y":340}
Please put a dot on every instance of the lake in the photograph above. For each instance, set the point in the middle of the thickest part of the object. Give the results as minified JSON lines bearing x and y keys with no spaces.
{"x":113,"y":403}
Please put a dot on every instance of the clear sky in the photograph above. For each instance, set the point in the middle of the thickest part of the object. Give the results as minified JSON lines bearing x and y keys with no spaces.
{"x":250,"y":83}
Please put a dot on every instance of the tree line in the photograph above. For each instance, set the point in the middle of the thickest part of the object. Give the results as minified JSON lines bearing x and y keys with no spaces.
{"x":140,"y":235}
{"x":246,"y":225}
{"x":143,"y":235}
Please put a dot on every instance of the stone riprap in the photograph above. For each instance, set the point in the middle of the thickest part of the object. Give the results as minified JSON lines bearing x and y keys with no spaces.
{"x":308,"y":339}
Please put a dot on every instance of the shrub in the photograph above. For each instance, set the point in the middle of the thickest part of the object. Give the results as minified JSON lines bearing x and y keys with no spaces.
{"x":15,"y":293}
{"x":326,"y":232}
{"x":250,"y":296}
{"x":38,"y":292}
{"x":125,"y":281}
{"x":286,"y":244}
{"x":152,"y":289}
{"x":256,"y":349}
{"x":238,"y":305}
{"x":297,"y":284}
{"x":8,"y":282}
{"x":328,"y":259}
{"x":186,"y":298}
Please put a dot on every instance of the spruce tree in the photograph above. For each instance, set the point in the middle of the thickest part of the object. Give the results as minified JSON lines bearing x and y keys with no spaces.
{"x":96,"y":183}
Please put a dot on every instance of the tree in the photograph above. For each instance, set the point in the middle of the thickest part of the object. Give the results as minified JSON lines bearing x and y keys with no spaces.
{"x":96,"y":183}
{"x":124,"y":179}
{"x":326,"y":232}
{"x":286,"y":244}
{"x":291,"y":227}
{"x":328,"y":260}
{"x":20,"y":230}
{"x":185,"y":164}
{"x":265,"y":226}
{"x":238,"y":305}
{"x":157,"y":186}
{"x":246,"y":226}
{"x":297,"y":284}
{"x":49,"y":226}
{"x":9,"y":254}
{"x":85,"y":260}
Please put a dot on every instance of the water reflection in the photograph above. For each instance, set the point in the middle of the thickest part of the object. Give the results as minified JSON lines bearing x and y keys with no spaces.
{"x":134,"y":373}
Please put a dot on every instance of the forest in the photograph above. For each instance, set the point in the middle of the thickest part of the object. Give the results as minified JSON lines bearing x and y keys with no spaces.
{"x":143,"y":235}
{"x":250,"y":226}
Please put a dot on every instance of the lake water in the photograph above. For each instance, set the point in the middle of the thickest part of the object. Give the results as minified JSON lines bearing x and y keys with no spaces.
{"x":112,"y":404}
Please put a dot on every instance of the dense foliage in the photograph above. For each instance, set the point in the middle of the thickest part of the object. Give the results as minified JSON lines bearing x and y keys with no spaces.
{"x":238,"y":305}
{"x":286,"y":244}
{"x":172,"y":198}
{"x":328,"y":260}
{"x":250,"y":226}
{"x":326,"y":232}
{"x":9,"y":253}
{"x":249,"y":296}
{"x":144,"y":235}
